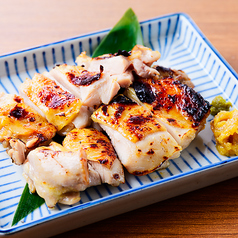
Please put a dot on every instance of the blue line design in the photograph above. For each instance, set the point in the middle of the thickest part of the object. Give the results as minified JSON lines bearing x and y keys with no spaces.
{"x":148,"y":176}
{"x":5,"y":175}
{"x":204,"y":83}
{"x":26,"y":66}
{"x":9,"y":76}
{"x":199,"y":48}
{"x":90,"y":46}
{"x":35,"y":63}
{"x":195,"y":159}
{"x":6,"y":215}
{"x":222,"y":77}
{"x":186,"y":162}
{"x":179,"y":57}
{"x":45,"y":61}
{"x":53,"y":56}
{"x":213,"y":152}
{"x":5,"y":89}
{"x":228,"y":82}
{"x":205,"y":157}
{"x":181,"y":44}
{"x":218,"y":69}
{"x":10,"y":183}
{"x":142,"y":32}
{"x":108,"y":190}
{"x":176,"y":166}
{"x":173,"y":36}
{"x":126,"y":182}
{"x":208,"y":58}
{"x":158,"y":37}
{"x":80,"y":47}
{"x":166,"y":38}
{"x":232,"y":91}
{"x":7,"y":199}
{"x":158,"y":173}
{"x":98,"y":40}
{"x":99,"y":194}
{"x":178,"y":52}
{"x":10,"y":190}
{"x":150,"y":42}
{"x":214,"y":62}
{"x":72,"y":52}
{"x":169,"y":171}
{"x":139,"y":181}
{"x":203,"y":55}
{"x":63,"y":54}
{"x":16,"y":69}
{"x":8,"y":207}
{"x":7,"y":166}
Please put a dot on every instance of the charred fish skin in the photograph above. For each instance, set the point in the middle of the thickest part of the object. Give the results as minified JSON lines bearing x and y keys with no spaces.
{"x":141,"y":142}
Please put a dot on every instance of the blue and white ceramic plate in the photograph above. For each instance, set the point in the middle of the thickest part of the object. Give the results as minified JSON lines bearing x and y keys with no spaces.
{"x":182,"y":46}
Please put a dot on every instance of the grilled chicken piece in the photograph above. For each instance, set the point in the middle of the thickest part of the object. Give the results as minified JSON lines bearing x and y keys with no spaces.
{"x":176,"y":106}
{"x":83,"y":118}
{"x":121,"y":64}
{"x":58,"y":106}
{"x":179,"y":75}
{"x":100,"y":154}
{"x":142,"y":58}
{"x":21,"y":127}
{"x":141,"y":142}
{"x":56,"y":175}
{"x":93,"y":88}
{"x":114,"y":65}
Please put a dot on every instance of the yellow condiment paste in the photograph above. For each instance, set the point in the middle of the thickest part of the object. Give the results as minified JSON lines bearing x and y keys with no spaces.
{"x":225,"y":129}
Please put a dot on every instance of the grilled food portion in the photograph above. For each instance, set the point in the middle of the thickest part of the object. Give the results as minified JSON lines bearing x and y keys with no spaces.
{"x":122,"y":65}
{"x":175,"y":105}
{"x":58,"y":106}
{"x":21,"y":127}
{"x":225,"y":127}
{"x":56,"y":175}
{"x":116,"y":66}
{"x":179,"y":75}
{"x":93,"y":88}
{"x":141,"y":142}
{"x":100,"y":154}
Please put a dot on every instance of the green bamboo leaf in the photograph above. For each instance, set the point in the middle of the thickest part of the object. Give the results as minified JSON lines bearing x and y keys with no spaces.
{"x":27,"y":204}
{"x":124,"y":35}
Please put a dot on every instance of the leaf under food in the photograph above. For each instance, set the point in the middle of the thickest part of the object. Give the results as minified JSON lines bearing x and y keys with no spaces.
{"x":27,"y":204}
{"x":123,"y":36}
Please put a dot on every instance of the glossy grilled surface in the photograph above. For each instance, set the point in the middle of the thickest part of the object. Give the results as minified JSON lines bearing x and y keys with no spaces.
{"x":19,"y":121}
{"x":57,"y":105}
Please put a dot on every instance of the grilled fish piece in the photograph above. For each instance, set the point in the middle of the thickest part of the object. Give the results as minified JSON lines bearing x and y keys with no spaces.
{"x":177,"y":106}
{"x":141,"y":142}
{"x":21,"y":127}
{"x":179,"y":75}
{"x":56,"y":175}
{"x":100,"y":154}
{"x":93,"y":88}
{"x":58,"y":106}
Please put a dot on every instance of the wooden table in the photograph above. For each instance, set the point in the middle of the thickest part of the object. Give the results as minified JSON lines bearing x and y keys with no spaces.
{"x":208,"y":212}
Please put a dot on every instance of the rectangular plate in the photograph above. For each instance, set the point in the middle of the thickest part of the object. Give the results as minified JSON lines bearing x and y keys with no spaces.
{"x":182,"y":46}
